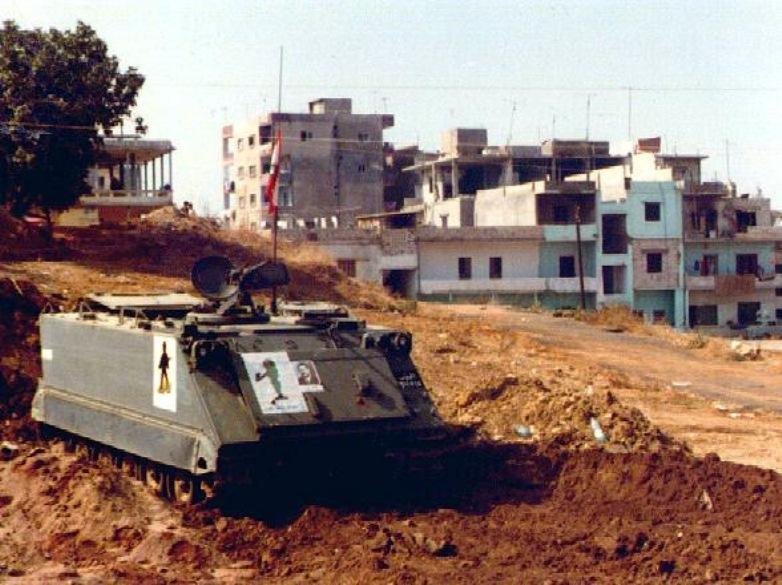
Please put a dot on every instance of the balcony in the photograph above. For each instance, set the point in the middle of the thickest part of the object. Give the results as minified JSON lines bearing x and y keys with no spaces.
{"x":571,"y":285}
{"x":135,"y":198}
{"x":765,"y":280}
{"x":567,"y":232}
{"x":697,"y":282}
{"x":508,"y":285}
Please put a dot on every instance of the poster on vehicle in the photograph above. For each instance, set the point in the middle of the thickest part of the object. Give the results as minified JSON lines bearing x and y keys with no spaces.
{"x":164,"y":363}
{"x":279,"y":384}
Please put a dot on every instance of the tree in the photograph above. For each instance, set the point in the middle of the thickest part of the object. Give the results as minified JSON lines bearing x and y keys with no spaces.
{"x":58,"y":91}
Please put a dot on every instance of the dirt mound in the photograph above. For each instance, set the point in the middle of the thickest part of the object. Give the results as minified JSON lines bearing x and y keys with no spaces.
{"x":597,"y":517}
{"x":514,"y":389}
{"x":178,"y":220}
{"x":166,"y":243}
{"x":20,"y":304}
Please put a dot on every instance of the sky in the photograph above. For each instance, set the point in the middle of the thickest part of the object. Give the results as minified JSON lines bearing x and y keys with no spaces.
{"x":704,"y":75}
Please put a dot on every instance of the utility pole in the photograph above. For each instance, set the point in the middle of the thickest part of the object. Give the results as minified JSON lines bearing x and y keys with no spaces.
{"x":589,"y":105}
{"x":629,"y":113}
{"x":273,"y":196}
{"x":727,"y":158}
{"x":580,"y":259}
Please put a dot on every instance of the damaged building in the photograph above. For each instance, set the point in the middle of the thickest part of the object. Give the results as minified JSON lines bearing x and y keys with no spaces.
{"x":567,"y":222}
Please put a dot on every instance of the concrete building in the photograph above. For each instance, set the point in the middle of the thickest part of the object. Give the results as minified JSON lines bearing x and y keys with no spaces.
{"x":132,"y":176}
{"x":332,"y":166}
{"x":653,"y":236}
{"x":447,"y":181}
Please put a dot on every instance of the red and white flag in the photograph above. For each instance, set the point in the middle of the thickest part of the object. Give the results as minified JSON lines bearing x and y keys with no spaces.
{"x":271,"y":188}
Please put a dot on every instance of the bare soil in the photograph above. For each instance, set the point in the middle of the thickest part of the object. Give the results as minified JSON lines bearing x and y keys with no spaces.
{"x":554,"y":507}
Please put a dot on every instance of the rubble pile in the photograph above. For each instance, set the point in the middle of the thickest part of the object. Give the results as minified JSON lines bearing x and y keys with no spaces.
{"x":179,"y":220}
{"x":513,"y":389}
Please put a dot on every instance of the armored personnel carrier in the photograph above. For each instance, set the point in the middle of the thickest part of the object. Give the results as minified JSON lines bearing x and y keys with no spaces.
{"x":184,"y":392}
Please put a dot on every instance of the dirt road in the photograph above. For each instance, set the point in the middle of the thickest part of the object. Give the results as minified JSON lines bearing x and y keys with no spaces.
{"x":755,"y":385}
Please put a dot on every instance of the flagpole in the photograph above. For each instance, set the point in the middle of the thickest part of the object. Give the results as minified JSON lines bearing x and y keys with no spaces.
{"x":273,"y":196}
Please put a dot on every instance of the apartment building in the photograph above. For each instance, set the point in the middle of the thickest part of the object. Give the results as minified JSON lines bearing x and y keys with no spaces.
{"x":642,"y":230}
{"x":331,"y":166}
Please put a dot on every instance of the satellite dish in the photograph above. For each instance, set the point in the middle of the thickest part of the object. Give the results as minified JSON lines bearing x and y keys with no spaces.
{"x":211,"y":276}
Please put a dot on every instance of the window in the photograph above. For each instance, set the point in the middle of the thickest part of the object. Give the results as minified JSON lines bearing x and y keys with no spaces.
{"x":745,"y":219}
{"x":567,"y":266}
{"x":252,"y":171}
{"x":465,"y":268}
{"x":748,"y":313}
{"x":628,"y":186}
{"x":495,"y":267}
{"x":778,"y":268}
{"x":241,"y":202}
{"x":709,"y":265}
{"x":240,"y":173}
{"x":746,"y":263}
{"x":284,"y":196}
{"x":778,"y":292}
{"x":306,"y":135}
{"x":561,"y":214}
{"x":347,"y":266}
{"x":363,"y":136}
{"x":266,"y":166}
{"x":251,"y":141}
{"x":265,"y":134}
{"x":614,"y":233}
{"x":253,"y":200}
{"x":703,"y":315}
{"x":779,"y":314}
{"x":654,"y":262}
{"x":444,"y":221}
{"x":362,"y":168}
{"x":240,"y":144}
{"x":651,"y":211}
{"x":613,"y":280}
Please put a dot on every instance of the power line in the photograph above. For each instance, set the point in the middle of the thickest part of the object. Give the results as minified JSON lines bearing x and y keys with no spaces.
{"x":520,"y":88}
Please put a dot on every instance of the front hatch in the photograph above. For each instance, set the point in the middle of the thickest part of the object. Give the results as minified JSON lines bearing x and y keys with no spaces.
{"x":324,"y":385}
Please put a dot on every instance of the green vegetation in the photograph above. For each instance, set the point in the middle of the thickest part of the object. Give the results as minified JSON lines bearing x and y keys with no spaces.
{"x":58,"y":90}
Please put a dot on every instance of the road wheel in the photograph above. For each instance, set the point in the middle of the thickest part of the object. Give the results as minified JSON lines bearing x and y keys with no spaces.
{"x":185,"y":488}
{"x":85,"y":450}
{"x":155,"y":478}
{"x":128,"y":466}
{"x":70,"y":444}
{"x":207,"y":487}
{"x":105,"y":456}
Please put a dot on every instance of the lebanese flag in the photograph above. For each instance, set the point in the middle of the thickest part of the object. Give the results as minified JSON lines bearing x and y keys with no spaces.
{"x":271,"y":188}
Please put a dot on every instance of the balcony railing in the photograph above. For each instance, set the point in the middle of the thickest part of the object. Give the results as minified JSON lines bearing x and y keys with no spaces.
{"x":135,"y":197}
{"x":508,"y":285}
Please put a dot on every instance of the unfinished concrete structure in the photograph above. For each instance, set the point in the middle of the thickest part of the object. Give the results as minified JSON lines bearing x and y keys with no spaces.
{"x":332,"y":164}
{"x":448,"y":181}
{"x":132,"y":176}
